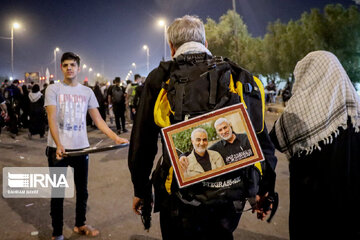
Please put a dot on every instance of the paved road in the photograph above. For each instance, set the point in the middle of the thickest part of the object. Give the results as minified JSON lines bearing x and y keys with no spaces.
{"x":110,"y":197}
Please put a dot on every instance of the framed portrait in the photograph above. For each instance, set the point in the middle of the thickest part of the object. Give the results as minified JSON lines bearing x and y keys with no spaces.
{"x":212,"y":144}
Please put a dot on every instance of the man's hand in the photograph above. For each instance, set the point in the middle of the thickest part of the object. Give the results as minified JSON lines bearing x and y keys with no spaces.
{"x":184,"y":163}
{"x":137,"y":205}
{"x":262,"y":207}
{"x":119,"y":140}
{"x":59,"y":152}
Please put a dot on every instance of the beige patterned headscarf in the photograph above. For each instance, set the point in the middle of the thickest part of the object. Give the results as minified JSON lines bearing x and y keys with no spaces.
{"x":323,"y":99}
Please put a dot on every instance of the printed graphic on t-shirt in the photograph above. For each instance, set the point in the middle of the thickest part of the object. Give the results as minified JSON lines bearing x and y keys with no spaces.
{"x":72,"y":114}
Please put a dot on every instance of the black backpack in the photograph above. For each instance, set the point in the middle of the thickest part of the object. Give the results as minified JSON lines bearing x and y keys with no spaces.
{"x":117,"y":94}
{"x":199,"y":84}
{"x":189,"y":81}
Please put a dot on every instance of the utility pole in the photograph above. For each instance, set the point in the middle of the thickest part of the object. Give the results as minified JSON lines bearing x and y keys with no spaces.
{"x":235,"y":30}
{"x":234,"y":9}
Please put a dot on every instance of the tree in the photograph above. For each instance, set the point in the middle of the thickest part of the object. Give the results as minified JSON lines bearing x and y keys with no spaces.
{"x":336,"y":30}
{"x":229,"y":37}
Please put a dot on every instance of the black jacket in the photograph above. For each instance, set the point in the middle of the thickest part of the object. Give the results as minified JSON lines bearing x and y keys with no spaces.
{"x":144,"y":136}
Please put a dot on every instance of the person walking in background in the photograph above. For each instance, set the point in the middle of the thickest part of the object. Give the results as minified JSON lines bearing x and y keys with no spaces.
{"x":116,"y":98}
{"x":108,"y":99}
{"x":131,"y":91}
{"x":4,"y":85}
{"x":12,"y":94}
{"x":138,"y":92}
{"x":101,"y":100}
{"x":127,"y":110}
{"x":36,"y":112}
{"x":319,"y":131}
{"x":44,"y":89}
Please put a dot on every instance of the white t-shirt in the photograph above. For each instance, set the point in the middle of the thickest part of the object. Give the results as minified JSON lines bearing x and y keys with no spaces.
{"x":72,"y":103}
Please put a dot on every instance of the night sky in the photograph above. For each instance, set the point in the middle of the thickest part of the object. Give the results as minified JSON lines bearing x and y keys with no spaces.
{"x":109,"y":35}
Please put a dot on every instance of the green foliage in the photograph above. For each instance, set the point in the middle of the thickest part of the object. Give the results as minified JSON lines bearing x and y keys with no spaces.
{"x":336,"y":29}
{"x":229,"y":37}
{"x":182,"y":140}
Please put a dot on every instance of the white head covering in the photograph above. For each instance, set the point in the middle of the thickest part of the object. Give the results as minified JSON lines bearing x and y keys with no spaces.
{"x":35,"y":96}
{"x":191,"y":47}
{"x":323,"y":99}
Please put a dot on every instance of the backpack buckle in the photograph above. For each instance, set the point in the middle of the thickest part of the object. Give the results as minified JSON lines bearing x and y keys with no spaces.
{"x":248,"y":88}
{"x":183,"y":80}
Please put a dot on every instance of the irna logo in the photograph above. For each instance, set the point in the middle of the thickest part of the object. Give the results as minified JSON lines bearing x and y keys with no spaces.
{"x":38,"y":182}
{"x":16,"y":180}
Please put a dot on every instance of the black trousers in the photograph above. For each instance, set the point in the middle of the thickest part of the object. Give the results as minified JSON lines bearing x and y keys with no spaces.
{"x":102,"y":111}
{"x":80,"y":165}
{"x":202,"y":222}
{"x":119,"y":112}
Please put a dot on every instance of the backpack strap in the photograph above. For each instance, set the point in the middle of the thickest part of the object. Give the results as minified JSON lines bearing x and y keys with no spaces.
{"x":162,"y":109}
{"x":180,"y":89}
{"x":213,"y":86}
{"x":262,"y":92}
{"x":169,"y":180}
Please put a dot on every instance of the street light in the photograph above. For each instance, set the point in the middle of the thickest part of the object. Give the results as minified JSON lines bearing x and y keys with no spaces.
{"x":145,"y":47}
{"x":161,"y":23}
{"x":16,"y":26}
{"x":134,"y":65}
{"x":55,"y":50}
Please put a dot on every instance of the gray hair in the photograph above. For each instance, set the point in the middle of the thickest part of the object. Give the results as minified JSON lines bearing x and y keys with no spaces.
{"x":186,"y":29}
{"x":220,"y":121}
{"x":198,"y":130}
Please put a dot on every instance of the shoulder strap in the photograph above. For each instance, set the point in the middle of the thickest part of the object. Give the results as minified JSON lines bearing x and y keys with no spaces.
{"x":251,"y":92}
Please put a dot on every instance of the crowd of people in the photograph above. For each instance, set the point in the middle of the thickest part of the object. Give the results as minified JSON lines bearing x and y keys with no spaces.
{"x":22,"y":105}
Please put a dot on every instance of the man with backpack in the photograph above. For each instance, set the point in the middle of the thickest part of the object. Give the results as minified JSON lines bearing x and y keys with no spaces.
{"x":116,"y":97}
{"x":131,"y":92}
{"x":194,"y":83}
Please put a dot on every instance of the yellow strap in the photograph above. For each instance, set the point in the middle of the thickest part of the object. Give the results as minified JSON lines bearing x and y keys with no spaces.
{"x":169,"y":179}
{"x":162,"y":109}
{"x":231,"y":85}
{"x":258,"y":166}
{"x":262,"y":92}
{"x":239,"y":91}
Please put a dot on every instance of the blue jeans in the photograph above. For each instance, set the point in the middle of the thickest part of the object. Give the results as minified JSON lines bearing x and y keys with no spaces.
{"x":80,"y":165}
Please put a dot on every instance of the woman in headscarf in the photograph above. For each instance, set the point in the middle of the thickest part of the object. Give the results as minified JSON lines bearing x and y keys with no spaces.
{"x":36,"y":112}
{"x":319,"y":132}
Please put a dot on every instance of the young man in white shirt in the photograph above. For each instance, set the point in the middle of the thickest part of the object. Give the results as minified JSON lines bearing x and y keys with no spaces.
{"x":66,"y":105}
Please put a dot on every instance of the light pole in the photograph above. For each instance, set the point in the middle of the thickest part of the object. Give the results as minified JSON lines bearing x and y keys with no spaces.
{"x":55,"y":50}
{"x":145,"y":47}
{"x":163,"y":23}
{"x":16,"y":26}
{"x":83,"y":69}
{"x":90,"y":70}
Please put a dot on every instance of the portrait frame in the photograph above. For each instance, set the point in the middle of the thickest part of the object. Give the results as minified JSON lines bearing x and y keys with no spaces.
{"x":237,"y":116}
